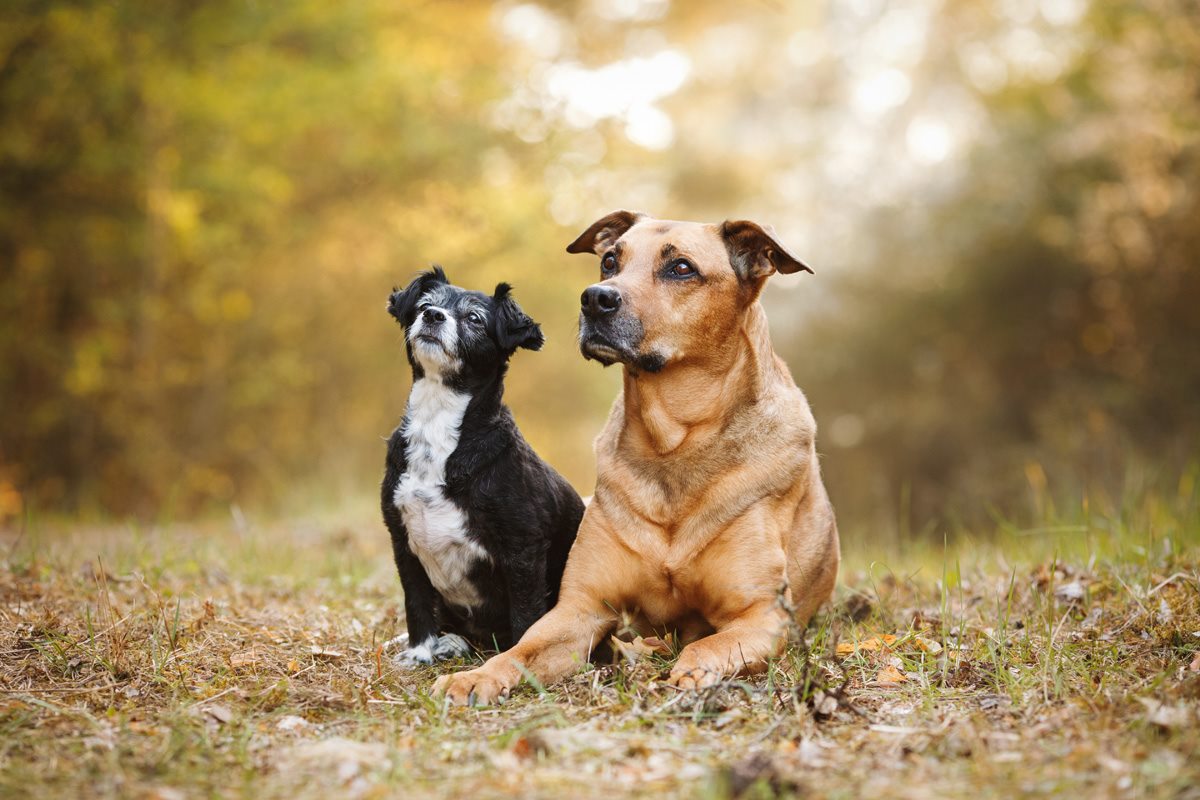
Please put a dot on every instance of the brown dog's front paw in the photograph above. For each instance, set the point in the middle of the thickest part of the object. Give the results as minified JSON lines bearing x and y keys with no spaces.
{"x":471,"y":688}
{"x":698,"y":678}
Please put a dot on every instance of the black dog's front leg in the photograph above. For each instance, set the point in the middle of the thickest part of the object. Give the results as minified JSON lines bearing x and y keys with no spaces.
{"x":528,"y":595}
{"x":422,"y":603}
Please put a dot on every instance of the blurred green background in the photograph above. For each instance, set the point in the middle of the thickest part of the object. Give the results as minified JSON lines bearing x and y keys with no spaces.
{"x":203,"y":207}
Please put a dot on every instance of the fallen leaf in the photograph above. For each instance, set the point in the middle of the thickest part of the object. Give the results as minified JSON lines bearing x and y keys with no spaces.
{"x":291,"y":723}
{"x":993,"y":701}
{"x":898,"y":730}
{"x":1071,"y":592}
{"x":728,"y":717}
{"x":529,"y":746}
{"x":243,"y":658}
{"x":824,"y":704}
{"x":858,"y":607}
{"x":640,"y":647}
{"x":1195,"y":665}
{"x":165,"y":793}
{"x":1166,"y":716}
{"x":322,"y":652}
{"x":866,"y":645}
{"x":889,"y":676}
{"x":927,"y":645}
{"x":220,"y":713}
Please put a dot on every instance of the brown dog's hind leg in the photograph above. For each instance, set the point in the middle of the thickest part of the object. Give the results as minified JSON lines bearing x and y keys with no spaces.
{"x":555,"y":646}
{"x":741,"y":647}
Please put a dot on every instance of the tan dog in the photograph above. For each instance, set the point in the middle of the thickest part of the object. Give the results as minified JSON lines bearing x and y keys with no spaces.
{"x":709,"y":516}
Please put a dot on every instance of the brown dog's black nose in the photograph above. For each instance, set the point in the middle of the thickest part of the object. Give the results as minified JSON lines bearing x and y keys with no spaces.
{"x":598,"y":300}
{"x":434,"y":315}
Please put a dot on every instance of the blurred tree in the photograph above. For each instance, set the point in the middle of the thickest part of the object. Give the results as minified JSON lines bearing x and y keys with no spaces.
{"x":203,"y":206}
{"x":1058,"y":335}
{"x":200,"y":204}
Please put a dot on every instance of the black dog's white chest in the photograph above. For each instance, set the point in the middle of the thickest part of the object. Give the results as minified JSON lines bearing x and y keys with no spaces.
{"x":437,"y":527}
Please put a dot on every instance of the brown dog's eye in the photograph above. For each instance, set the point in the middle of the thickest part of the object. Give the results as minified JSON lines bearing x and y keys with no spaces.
{"x":608,"y":264}
{"x":681,"y":269}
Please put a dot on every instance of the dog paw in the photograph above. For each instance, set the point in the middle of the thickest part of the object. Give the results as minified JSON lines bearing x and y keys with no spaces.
{"x":421,"y":655}
{"x":698,"y":678}
{"x":451,"y":645}
{"x":471,"y":688}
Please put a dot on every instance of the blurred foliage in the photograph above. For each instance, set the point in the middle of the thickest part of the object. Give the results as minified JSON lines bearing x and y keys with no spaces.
{"x":204,"y":206}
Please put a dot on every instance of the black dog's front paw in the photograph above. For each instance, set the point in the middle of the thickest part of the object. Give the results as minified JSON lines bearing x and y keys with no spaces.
{"x":430,"y":650}
{"x":451,"y":645}
{"x":417,"y":655}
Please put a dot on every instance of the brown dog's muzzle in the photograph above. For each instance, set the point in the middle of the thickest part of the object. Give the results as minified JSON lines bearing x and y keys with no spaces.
{"x":611,"y":337}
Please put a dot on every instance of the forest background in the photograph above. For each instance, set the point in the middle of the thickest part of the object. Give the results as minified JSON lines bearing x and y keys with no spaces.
{"x":203,"y":208}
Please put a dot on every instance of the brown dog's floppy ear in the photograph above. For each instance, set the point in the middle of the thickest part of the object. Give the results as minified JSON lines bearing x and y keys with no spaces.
{"x":755,"y":251}
{"x":604,"y":231}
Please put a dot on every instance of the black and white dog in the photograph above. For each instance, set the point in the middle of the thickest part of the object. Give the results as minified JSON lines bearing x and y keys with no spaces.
{"x":480,"y":525}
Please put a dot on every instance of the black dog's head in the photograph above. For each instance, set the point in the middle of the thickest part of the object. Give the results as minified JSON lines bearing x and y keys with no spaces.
{"x":454,"y":332}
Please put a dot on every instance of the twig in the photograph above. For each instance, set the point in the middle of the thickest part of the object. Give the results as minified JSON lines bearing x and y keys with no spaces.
{"x":1172,"y":579}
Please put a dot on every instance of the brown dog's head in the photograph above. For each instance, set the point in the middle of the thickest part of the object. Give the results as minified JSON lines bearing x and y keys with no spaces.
{"x":670,"y":290}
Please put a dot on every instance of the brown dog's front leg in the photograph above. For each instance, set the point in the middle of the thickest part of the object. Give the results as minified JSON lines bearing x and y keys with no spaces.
{"x":552,"y":648}
{"x":743,"y":646}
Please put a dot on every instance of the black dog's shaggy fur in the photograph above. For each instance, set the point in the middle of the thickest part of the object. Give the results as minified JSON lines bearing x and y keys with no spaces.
{"x":480,"y":525}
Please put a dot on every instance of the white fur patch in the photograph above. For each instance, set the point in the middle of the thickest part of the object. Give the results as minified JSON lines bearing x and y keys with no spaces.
{"x":437,"y":528}
{"x":420,"y":654}
{"x":435,"y":358}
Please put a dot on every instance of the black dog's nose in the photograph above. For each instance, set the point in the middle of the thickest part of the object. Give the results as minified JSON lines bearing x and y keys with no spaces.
{"x":434,"y":315}
{"x":598,"y":300}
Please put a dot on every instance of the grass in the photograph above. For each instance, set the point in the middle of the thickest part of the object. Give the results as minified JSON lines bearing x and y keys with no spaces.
{"x":244,"y":660}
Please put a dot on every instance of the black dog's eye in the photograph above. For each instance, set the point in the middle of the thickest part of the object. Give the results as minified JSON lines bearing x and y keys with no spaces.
{"x":474,"y":318}
{"x":681,"y":269}
{"x":424,"y":304}
{"x":608,"y":264}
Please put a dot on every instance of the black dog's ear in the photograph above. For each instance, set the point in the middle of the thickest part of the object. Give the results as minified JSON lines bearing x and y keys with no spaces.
{"x":604,"y":231}
{"x":513,"y":326}
{"x":755,"y":251}
{"x":403,"y":302}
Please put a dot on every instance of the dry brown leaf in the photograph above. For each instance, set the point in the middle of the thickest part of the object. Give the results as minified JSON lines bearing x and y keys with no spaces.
{"x":291,"y":723}
{"x":824,"y":704}
{"x":889,"y":676}
{"x":641,"y":647}
{"x":927,"y":645}
{"x":220,"y":713}
{"x":530,"y":745}
{"x":322,"y":652}
{"x":165,"y":793}
{"x":1166,"y":716}
{"x":867,"y":645}
{"x":243,"y":658}
{"x":1072,"y":592}
{"x":1195,"y":665}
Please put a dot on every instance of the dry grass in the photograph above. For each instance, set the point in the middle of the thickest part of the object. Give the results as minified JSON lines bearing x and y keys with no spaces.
{"x":240,"y":660}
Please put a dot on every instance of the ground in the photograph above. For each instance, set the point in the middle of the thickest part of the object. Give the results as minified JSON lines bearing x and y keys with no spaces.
{"x":245,"y":659}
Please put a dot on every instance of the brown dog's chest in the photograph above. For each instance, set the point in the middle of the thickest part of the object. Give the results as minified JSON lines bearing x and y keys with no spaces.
{"x":670,"y":578}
